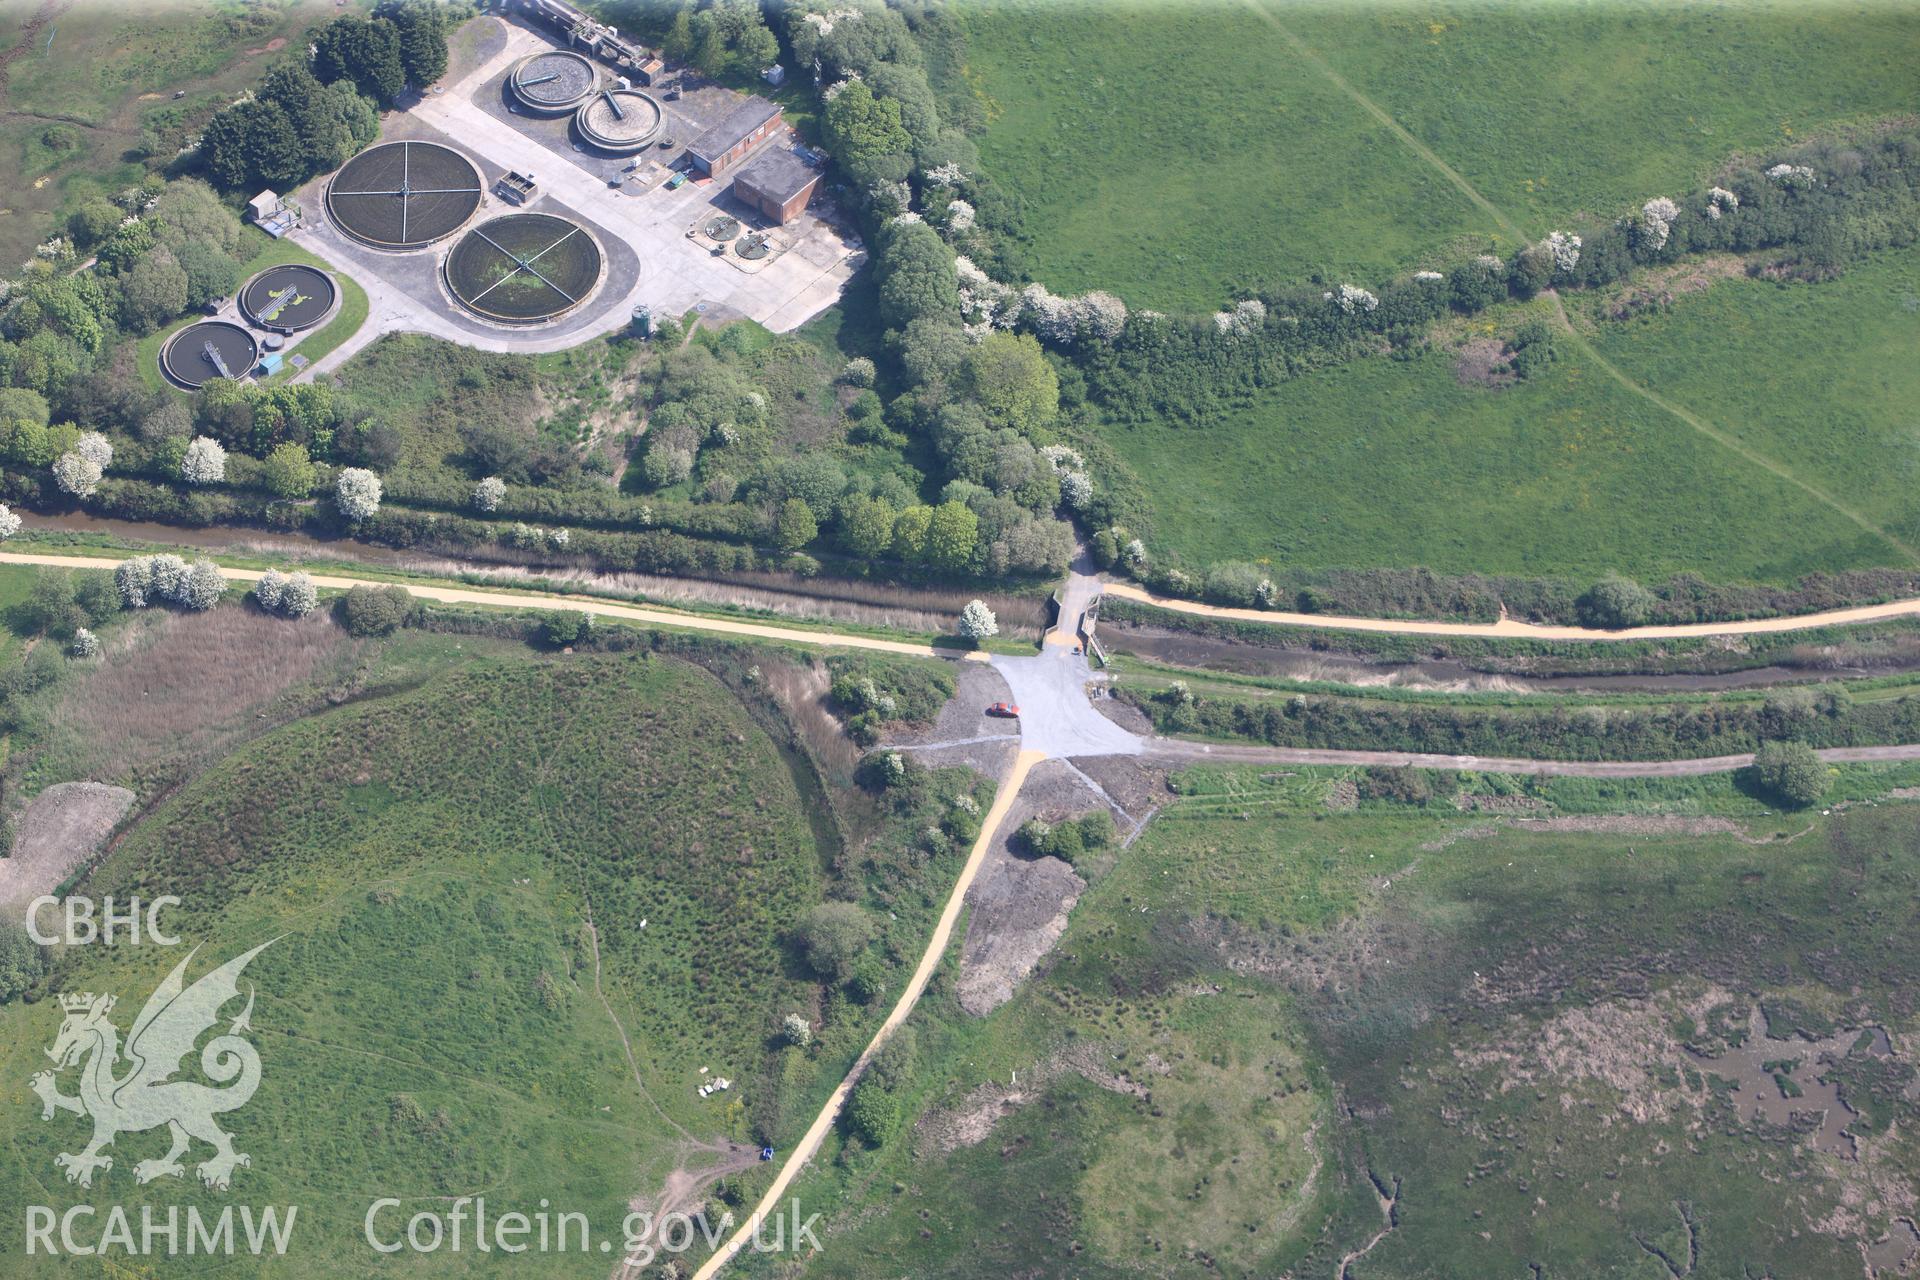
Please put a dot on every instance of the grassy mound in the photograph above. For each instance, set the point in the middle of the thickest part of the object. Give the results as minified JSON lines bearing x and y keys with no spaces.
{"x":430,"y":1019}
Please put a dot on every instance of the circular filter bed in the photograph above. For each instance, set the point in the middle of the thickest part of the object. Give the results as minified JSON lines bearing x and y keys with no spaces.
{"x":619,"y":120}
{"x":724,"y":227}
{"x":553,"y":83}
{"x":211,"y":349}
{"x":523,"y":268}
{"x":753,"y":247}
{"x":288,"y":298}
{"x":404,"y":195}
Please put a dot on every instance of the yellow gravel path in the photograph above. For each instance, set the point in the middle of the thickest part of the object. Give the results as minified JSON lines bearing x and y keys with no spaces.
{"x":1508,"y":629}
{"x":556,"y":601}
{"x":929,"y":960}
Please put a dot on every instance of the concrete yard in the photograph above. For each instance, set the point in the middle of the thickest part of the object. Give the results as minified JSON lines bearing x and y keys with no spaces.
{"x":649,"y":257}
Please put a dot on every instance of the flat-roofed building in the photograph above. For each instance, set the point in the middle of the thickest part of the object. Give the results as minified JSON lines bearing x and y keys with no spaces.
{"x":778,"y":184}
{"x":728,"y":141}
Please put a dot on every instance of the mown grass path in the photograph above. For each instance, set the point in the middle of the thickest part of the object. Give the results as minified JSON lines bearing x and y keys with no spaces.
{"x":1393,"y":126}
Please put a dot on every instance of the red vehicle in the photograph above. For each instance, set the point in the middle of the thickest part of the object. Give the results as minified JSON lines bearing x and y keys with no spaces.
{"x":1005,"y":710}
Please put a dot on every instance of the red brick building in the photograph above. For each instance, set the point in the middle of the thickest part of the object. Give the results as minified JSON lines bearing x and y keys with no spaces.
{"x":778,"y":184}
{"x":733,"y":136}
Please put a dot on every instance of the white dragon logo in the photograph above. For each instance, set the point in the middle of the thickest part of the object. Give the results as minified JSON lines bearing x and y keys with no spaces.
{"x":145,"y":1097}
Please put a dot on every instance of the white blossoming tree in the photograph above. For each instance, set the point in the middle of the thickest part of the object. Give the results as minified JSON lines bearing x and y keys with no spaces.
{"x":76,"y":474}
{"x":85,"y":644}
{"x":1247,"y":316}
{"x":977,"y":622}
{"x":1063,"y":458}
{"x":1049,"y":316}
{"x":267,"y":592}
{"x":1657,"y":217}
{"x":134,"y":580}
{"x":1102,"y":315}
{"x":1720,"y":202}
{"x":9,"y":522}
{"x":204,"y":462}
{"x":488,"y":493}
{"x":167,"y":579}
{"x":1352,"y":299}
{"x":96,"y":448}
{"x":289,"y":595}
{"x":1565,"y":248}
{"x":357,"y":493}
{"x":203,"y":587}
{"x":1076,"y":489}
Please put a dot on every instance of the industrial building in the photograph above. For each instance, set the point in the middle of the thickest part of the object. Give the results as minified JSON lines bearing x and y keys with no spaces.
{"x":727,"y":142}
{"x":597,"y":38}
{"x":778,"y":184}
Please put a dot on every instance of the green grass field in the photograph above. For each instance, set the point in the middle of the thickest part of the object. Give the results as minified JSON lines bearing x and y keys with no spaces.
{"x":1556,"y":110}
{"x":1819,"y":377}
{"x":1167,"y":153}
{"x":1385,"y":463}
{"x":1170,"y":153}
{"x":1493,"y":1013}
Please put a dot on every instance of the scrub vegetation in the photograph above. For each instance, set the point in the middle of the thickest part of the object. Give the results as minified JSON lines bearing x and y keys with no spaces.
{"x":1534,"y":1038}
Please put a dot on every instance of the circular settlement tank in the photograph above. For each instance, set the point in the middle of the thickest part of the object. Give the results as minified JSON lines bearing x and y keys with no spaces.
{"x":553,"y":83}
{"x":619,"y":120}
{"x":524,"y":268}
{"x":211,"y":349}
{"x":288,"y":298}
{"x":404,"y":195}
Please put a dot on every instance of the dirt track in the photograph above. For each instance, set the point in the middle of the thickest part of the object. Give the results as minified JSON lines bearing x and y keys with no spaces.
{"x":548,"y":600}
{"x":936,"y":948}
{"x":1508,"y":629}
{"x":1054,"y":681}
{"x":1175,"y":749}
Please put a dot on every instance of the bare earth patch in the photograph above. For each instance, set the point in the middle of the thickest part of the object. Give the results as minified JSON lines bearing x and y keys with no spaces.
{"x":1482,"y":362}
{"x":59,"y":831}
{"x":1020,"y":905}
{"x":1020,"y":909}
{"x":968,"y":1122}
{"x":1660,"y":286}
{"x":963,"y":734}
